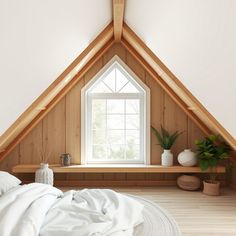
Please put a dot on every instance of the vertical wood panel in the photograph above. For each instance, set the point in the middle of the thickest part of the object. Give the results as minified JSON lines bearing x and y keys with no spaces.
{"x":60,"y":130}
{"x":12,"y":159}
{"x":194,"y":133}
{"x":175,"y":120}
{"x":116,"y":49}
{"x":93,"y":71}
{"x":31,"y":147}
{"x":157,"y":119}
{"x":135,"y":66}
{"x":54,"y":132}
{"x":157,"y":116}
{"x":73,"y":122}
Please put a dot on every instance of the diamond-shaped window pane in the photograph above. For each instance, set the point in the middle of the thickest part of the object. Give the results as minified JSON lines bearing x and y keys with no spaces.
{"x":101,"y":88}
{"x":115,"y":82}
{"x":110,"y":80}
{"x":129,"y":88}
{"x":121,"y":80}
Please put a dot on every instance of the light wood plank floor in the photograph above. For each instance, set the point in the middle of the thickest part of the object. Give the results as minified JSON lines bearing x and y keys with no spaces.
{"x":196,"y":213}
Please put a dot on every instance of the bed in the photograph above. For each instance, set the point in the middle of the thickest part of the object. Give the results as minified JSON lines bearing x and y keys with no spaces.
{"x":40,"y":209}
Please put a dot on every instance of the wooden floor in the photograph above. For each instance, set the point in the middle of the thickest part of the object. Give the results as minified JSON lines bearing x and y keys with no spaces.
{"x":196,"y":213}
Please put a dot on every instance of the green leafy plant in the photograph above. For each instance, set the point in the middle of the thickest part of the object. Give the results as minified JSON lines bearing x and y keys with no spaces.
{"x":164,"y":138}
{"x":210,"y":151}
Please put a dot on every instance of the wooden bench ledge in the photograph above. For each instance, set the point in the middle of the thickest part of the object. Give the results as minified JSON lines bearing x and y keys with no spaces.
{"x":116,"y":168}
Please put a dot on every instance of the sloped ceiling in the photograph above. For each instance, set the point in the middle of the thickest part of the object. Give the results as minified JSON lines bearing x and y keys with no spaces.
{"x":38,"y":40}
{"x":195,"y":39}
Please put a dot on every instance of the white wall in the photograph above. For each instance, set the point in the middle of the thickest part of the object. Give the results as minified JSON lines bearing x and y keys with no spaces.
{"x":197,"y":41}
{"x":38,"y":40}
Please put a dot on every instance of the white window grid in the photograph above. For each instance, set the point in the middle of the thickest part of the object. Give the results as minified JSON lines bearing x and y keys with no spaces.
{"x":144,"y":101}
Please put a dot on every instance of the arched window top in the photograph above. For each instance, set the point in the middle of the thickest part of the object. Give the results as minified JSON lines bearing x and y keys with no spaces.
{"x":116,"y":78}
{"x":115,"y":116}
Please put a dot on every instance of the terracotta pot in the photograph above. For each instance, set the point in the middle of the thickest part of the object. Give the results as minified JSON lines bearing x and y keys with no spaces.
{"x":211,"y":188}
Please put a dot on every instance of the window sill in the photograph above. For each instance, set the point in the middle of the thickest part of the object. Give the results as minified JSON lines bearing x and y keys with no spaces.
{"x":115,"y":168}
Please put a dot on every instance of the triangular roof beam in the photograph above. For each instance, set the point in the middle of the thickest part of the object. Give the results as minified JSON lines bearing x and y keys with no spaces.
{"x":118,"y":18}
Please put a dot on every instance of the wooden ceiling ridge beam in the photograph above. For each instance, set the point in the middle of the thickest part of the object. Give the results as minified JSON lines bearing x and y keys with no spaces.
{"x":118,"y":18}
{"x":183,"y":96}
{"x":52,"y":95}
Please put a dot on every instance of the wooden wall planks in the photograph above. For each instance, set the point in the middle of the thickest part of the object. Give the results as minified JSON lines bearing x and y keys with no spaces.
{"x":73,"y":121}
{"x":31,"y":147}
{"x":54,"y":132}
{"x":12,"y":159}
{"x":59,"y":132}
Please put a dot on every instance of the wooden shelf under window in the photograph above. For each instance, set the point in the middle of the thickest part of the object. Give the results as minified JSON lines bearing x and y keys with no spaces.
{"x":116,"y":168}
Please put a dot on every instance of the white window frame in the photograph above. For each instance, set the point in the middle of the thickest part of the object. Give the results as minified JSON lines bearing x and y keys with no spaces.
{"x":144,"y":109}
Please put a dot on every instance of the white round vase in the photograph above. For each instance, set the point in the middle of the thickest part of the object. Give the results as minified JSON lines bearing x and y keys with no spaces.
{"x":187,"y":158}
{"x":44,"y":174}
{"x":167,"y":158}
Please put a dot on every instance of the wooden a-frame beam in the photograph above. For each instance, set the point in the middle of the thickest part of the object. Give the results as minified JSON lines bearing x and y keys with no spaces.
{"x":57,"y":90}
{"x":118,"y":17}
{"x":25,"y":123}
{"x":193,"y":105}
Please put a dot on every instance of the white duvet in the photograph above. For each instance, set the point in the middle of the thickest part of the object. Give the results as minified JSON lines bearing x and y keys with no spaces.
{"x":38,"y":209}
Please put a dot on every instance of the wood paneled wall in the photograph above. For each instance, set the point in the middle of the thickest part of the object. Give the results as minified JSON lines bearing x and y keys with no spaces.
{"x":59,"y":131}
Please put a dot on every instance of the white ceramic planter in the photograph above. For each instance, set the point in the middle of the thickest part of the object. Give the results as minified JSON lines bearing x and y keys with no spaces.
{"x":44,"y":174}
{"x":167,"y":158}
{"x":187,"y":158}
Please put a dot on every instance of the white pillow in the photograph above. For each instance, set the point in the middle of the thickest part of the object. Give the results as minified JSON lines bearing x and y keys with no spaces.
{"x":7,"y":181}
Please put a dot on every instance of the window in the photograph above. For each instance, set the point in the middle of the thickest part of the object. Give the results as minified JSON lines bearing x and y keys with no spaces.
{"x":115,"y":125}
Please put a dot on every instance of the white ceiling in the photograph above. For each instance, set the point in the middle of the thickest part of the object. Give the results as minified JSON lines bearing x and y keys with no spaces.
{"x":195,"y":39}
{"x":38,"y":40}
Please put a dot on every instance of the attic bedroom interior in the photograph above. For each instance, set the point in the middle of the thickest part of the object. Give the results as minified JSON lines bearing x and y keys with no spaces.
{"x":117,"y":118}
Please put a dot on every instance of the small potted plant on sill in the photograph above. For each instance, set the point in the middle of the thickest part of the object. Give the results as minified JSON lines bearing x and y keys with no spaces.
{"x":166,"y":141}
{"x":210,"y":151}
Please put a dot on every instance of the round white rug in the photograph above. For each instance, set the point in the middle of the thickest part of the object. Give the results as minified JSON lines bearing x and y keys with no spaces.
{"x":157,"y":221}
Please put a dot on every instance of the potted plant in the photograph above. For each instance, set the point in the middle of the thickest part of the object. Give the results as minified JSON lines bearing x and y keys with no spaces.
{"x":166,"y":141}
{"x":210,"y":151}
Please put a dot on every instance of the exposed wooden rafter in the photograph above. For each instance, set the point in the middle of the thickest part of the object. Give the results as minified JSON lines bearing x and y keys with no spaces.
{"x":200,"y":112}
{"x":118,"y":17}
{"x":58,"y":89}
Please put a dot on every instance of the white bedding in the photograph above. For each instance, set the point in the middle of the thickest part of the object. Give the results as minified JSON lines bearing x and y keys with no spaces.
{"x":38,"y":209}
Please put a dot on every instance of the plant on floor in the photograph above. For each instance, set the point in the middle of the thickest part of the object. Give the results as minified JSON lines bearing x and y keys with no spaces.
{"x":210,"y":151}
{"x":166,"y":141}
